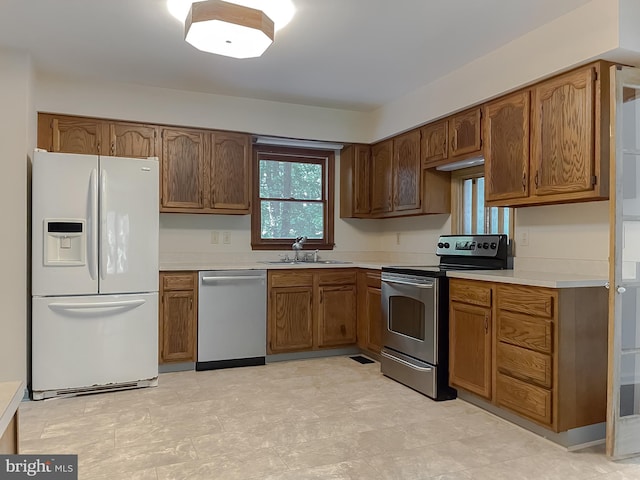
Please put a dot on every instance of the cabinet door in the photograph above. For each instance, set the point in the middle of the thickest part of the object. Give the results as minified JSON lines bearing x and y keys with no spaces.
{"x":506,"y":147}
{"x":465,"y":133}
{"x":362,"y":180}
{"x":290,"y":319}
{"x":132,"y":140}
{"x":182,"y":168}
{"x":336,"y":315}
{"x":381,"y":180}
{"x":434,"y":143}
{"x":373,"y":311}
{"x":178,"y":326}
{"x":406,"y":171}
{"x":230,"y":171}
{"x":563,"y":149}
{"x":71,"y":134}
{"x":470,"y":348}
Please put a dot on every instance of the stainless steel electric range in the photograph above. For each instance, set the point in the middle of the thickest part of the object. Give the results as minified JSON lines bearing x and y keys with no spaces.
{"x":415,"y":305}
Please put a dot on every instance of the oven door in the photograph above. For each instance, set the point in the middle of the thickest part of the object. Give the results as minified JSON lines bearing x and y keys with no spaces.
{"x":410,"y":305}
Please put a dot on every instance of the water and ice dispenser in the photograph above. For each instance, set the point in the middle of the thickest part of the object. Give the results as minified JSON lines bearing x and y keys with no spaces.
{"x":65,"y":242}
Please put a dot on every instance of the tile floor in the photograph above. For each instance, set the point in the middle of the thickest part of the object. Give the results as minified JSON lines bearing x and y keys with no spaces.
{"x":329,"y":418}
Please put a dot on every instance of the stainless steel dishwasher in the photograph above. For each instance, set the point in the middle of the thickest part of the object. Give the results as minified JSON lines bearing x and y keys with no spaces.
{"x":232,"y":318}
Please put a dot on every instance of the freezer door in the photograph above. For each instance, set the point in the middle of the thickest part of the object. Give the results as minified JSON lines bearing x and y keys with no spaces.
{"x":64,"y":224}
{"x":93,"y":340}
{"x":129,"y":225}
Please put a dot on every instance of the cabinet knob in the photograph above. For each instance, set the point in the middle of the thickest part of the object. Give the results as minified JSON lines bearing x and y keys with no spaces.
{"x":621,"y":289}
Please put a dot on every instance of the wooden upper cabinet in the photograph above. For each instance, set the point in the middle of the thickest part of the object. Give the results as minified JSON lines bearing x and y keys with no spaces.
{"x":230,"y":171}
{"x":67,"y":134}
{"x":435,"y":143}
{"x":183,"y":164}
{"x":465,"y":133}
{"x":133,"y":140}
{"x":362,"y":180}
{"x":381,"y":180}
{"x":563,"y":146}
{"x":407,"y":167}
{"x":506,"y":147}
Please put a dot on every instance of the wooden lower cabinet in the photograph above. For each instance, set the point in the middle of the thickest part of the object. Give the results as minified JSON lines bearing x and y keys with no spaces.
{"x":370,"y":324}
{"x":178,"y":317}
{"x":311,"y":309}
{"x":470,"y":332}
{"x":549,"y":361}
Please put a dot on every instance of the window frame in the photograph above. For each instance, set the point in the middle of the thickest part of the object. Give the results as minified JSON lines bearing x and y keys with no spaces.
{"x":457,"y":190}
{"x":298,"y":155}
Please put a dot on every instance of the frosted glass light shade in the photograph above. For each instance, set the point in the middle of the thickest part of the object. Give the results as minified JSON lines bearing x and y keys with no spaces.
{"x":228,"y":29}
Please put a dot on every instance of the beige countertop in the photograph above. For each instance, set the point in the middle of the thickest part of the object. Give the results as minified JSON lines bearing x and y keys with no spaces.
{"x":191,"y":266}
{"x":11,"y":394}
{"x":534,"y":279}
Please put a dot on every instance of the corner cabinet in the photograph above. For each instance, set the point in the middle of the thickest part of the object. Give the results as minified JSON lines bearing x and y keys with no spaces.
{"x":542,"y":353}
{"x":568,"y":139}
{"x":355,"y":181}
{"x":311,"y":309}
{"x":178,"y":317}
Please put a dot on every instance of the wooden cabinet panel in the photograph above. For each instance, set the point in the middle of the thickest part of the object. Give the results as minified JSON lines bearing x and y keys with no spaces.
{"x":183,"y":167}
{"x":465,"y":133}
{"x":10,"y":438}
{"x":406,"y":171}
{"x":529,"y":400}
{"x":355,"y":181}
{"x":178,"y":317}
{"x":370,"y":311}
{"x":530,"y":301}
{"x":434,"y":143}
{"x":289,"y":278}
{"x":470,"y":359}
{"x":340,"y":277}
{"x":67,"y":134}
{"x":476,"y":293}
{"x":133,"y":140}
{"x":524,"y":364}
{"x":526,"y":331}
{"x":337,"y":315}
{"x":506,"y":147}
{"x":290,"y":319}
{"x":563,"y":146}
{"x":230,"y":171}
{"x":381,"y":180}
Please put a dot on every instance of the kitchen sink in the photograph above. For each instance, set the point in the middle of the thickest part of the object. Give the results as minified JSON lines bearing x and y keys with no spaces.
{"x":301,"y":262}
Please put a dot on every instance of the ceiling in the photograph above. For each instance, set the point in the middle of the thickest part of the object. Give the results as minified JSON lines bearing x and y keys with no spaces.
{"x":348,"y":54}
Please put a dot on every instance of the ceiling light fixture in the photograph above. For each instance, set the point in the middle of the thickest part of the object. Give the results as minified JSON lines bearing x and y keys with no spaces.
{"x":235,"y":28}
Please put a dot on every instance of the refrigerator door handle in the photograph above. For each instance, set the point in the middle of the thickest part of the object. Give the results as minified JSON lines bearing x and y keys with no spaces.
{"x":103,"y":225}
{"x":92,"y":305}
{"x":92,"y":234}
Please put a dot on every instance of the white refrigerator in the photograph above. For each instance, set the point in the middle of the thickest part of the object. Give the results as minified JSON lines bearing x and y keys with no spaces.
{"x":94,"y":273}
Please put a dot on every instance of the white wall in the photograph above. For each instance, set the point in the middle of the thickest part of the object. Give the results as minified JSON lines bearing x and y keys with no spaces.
{"x":577,"y":37}
{"x":572,"y":238}
{"x":16,"y":139}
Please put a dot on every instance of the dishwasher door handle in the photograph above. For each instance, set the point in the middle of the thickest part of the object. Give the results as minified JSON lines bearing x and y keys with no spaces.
{"x":232,"y":278}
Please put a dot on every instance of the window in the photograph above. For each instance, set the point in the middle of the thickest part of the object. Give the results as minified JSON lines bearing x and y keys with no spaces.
{"x":470,"y":215}
{"x":293,"y":197}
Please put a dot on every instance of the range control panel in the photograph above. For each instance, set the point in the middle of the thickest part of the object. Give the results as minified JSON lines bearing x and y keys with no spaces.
{"x":471,"y":245}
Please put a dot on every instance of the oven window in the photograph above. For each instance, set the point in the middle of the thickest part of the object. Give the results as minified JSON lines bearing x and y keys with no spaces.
{"x":406,"y":317}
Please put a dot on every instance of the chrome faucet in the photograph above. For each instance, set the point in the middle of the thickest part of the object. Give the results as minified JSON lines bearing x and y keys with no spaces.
{"x":297,"y":246}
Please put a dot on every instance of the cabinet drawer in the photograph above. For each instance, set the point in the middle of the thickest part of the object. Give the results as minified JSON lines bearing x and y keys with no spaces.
{"x":475,"y":293}
{"x":531,"y":401}
{"x":528,"y":300}
{"x":529,"y":332}
{"x":524,"y":364}
{"x":290,"y":279}
{"x":344,"y":277}
{"x":185,"y":281}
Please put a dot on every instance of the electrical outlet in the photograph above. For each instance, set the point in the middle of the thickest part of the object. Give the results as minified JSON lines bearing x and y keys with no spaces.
{"x":226,"y":238}
{"x":523,"y":236}
{"x":215,"y":237}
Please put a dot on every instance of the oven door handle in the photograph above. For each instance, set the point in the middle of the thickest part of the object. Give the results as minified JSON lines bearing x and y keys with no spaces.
{"x":404,"y":362}
{"x":417,"y":285}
